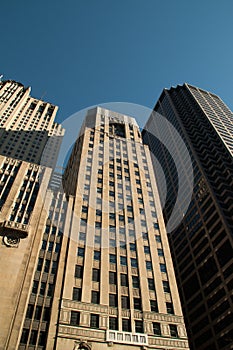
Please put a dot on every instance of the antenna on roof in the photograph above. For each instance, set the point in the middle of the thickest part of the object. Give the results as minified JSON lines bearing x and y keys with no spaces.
{"x":1,"y":76}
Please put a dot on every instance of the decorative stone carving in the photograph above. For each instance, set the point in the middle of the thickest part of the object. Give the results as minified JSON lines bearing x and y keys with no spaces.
{"x":82,"y":345}
{"x":11,"y":241}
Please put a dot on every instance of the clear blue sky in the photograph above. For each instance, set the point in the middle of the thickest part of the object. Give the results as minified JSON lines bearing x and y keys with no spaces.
{"x":79,"y":53}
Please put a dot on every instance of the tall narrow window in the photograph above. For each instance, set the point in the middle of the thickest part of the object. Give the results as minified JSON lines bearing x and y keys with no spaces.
{"x":74,"y":318}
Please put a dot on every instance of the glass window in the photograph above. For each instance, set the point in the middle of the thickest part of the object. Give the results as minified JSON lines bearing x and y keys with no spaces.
{"x":139,"y":326}
{"x":163,"y":268}
{"x":135,"y":282}
{"x":82,"y":236}
{"x":96,"y":255}
{"x":74,"y":318}
{"x":148,"y":265}
{"x":112,"y":258}
{"x":81,"y":252}
{"x":156,"y":328}
{"x":126,"y":325}
{"x":132,"y":247}
{"x":113,"y":323}
{"x":95,"y":275}
{"x":77,"y":292}
{"x":134,"y":262}
{"x":95,"y":297}
{"x":123,"y":260}
{"x":94,"y":321}
{"x":78,"y":271}
{"x":151,"y":284}
{"x":166,"y":287}
{"x":124,"y":280}
{"x":146,"y":249}
{"x":113,"y":300}
{"x":154,"y":306}
{"x":160,"y":252}
{"x":137,"y":303}
{"x":173,"y":330}
{"x":125,"y":302}
{"x":112,"y":277}
{"x":170,"y":309}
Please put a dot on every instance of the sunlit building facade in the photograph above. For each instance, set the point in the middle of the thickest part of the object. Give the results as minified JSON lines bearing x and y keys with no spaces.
{"x":87,"y":266}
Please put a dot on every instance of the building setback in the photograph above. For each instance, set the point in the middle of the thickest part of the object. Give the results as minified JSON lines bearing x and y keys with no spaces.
{"x":88,"y":267}
{"x":202,"y":242}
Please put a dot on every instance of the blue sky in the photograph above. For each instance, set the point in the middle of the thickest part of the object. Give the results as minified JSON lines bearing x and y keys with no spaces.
{"x":79,"y":53}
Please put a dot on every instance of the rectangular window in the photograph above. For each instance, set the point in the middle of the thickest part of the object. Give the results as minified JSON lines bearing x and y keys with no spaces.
{"x":163,"y":268}
{"x":170,"y":309}
{"x":148,"y":265}
{"x":95,"y":275}
{"x":125,"y":302}
{"x":146,"y":249}
{"x":151,"y":284}
{"x":113,"y":323}
{"x":74,"y":318}
{"x":35,"y":287}
{"x":78,"y":271}
{"x":82,"y":236}
{"x":94,"y":322}
{"x":154,"y":306}
{"x":126,"y":325}
{"x":132,"y":247}
{"x":112,"y":243}
{"x":96,"y":255}
{"x":173,"y":330}
{"x":24,"y":337}
{"x":33,"y":337}
{"x":160,"y":252}
{"x":134,"y":262}
{"x":95,"y":297}
{"x":81,"y":252}
{"x":112,"y":277}
{"x":42,"y":288}
{"x":124,"y":280}
{"x":123,"y":260}
{"x":156,"y":328}
{"x":112,"y":258}
{"x":135,"y":282}
{"x":139,"y":326}
{"x":77,"y":292}
{"x":122,"y":245}
{"x":166,"y":287}
{"x":113,"y":300}
{"x":137,"y":303}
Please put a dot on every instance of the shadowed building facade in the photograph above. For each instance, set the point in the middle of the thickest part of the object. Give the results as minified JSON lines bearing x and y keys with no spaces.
{"x":201,"y":243}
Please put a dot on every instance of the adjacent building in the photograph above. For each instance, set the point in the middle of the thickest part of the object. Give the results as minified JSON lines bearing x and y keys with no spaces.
{"x":202,"y":242}
{"x":27,"y":128}
{"x":89,"y":266}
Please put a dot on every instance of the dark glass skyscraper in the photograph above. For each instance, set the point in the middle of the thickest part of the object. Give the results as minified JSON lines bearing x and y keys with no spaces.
{"x":201,"y":242}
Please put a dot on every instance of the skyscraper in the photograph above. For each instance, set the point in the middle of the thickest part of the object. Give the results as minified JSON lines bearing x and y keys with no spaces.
{"x":27,"y":126}
{"x":201,"y":240}
{"x":90,"y":268}
{"x":29,"y":137}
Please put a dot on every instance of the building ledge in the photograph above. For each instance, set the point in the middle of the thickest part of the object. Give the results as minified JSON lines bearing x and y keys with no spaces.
{"x":13,"y":229}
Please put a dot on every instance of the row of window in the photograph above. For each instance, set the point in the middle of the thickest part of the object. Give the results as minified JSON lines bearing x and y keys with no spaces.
{"x":125,"y":301}
{"x":126,"y":324}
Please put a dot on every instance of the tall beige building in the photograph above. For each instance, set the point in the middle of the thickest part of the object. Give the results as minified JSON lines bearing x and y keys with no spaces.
{"x":27,"y":128}
{"x":88,"y":267}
